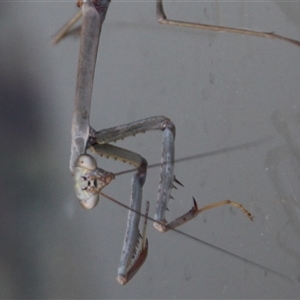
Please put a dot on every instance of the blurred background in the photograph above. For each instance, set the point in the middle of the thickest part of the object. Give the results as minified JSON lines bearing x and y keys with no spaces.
{"x":220,"y":90}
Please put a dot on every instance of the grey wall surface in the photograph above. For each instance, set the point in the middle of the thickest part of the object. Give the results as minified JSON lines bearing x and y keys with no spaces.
{"x":221,"y":90}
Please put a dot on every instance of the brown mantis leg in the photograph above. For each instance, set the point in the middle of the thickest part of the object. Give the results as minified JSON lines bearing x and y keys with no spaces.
{"x":162,"y":19}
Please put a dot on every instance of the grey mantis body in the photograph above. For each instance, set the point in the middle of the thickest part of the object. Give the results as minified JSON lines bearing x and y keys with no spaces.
{"x":89,"y":179}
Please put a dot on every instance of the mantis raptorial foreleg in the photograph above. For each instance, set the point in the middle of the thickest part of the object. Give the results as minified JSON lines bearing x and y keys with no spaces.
{"x":132,"y":256}
{"x":129,"y":264}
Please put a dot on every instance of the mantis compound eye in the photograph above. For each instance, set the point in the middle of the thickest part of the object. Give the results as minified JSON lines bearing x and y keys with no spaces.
{"x":87,"y":162}
{"x":90,"y":202}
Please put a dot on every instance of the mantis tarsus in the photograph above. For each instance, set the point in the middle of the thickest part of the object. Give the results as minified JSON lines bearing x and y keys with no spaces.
{"x":89,"y":178}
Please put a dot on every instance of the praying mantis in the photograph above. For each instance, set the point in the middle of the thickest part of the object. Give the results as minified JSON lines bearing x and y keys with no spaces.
{"x":89,"y":179}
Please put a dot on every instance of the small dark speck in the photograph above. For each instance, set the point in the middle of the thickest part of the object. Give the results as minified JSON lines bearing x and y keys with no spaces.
{"x":211,"y":78}
{"x":187,"y":274}
{"x":205,"y":13}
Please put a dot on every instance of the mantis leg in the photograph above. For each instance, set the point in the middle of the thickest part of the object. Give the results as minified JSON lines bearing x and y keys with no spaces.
{"x":162,"y":19}
{"x":133,"y":256}
{"x":133,"y":253}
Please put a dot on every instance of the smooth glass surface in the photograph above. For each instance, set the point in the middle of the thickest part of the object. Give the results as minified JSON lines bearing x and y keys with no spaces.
{"x":220,"y":90}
